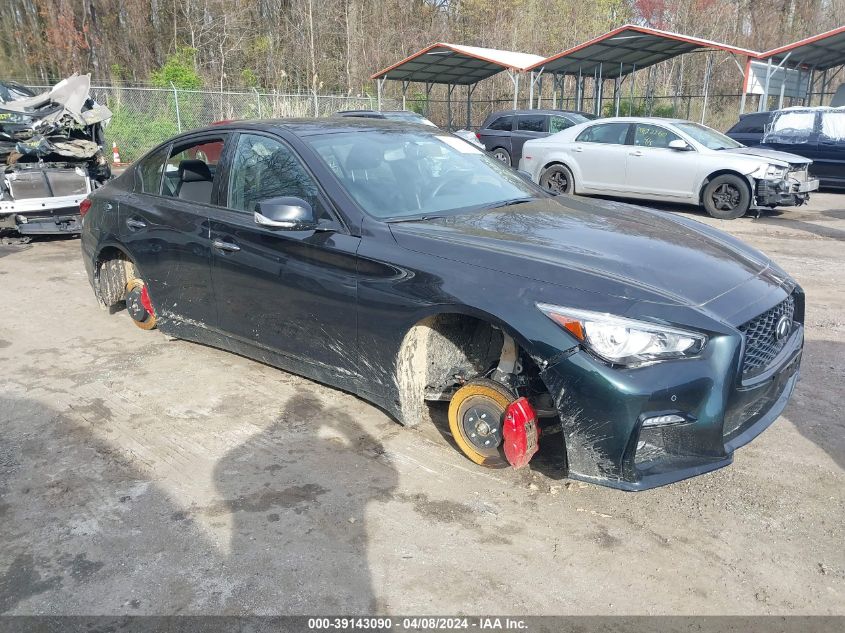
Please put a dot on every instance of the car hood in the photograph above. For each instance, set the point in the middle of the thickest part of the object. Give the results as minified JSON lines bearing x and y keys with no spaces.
{"x":770,"y":155}
{"x":597,"y":246}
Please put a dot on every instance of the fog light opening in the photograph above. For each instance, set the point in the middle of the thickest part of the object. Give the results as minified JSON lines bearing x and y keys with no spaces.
{"x":667,"y":419}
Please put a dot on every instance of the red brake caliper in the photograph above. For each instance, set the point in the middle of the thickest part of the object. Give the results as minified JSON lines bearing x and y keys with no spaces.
{"x":521,"y":433}
{"x":145,"y":301}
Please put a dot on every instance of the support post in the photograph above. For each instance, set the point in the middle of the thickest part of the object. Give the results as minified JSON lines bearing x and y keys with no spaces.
{"x":824,"y":87}
{"x":470,"y":90}
{"x":531,"y":91}
{"x":176,"y":102}
{"x":405,"y":85}
{"x":708,"y":71}
{"x":380,"y":87}
{"x":257,"y":100}
{"x":631,"y":91}
{"x":428,"y":100}
{"x":515,"y":81}
{"x":449,"y":88}
{"x":745,"y":76}
{"x":579,"y":91}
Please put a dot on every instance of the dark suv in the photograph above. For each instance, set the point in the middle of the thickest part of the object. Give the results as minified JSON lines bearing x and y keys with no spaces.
{"x":504,"y":133}
{"x":816,"y":133}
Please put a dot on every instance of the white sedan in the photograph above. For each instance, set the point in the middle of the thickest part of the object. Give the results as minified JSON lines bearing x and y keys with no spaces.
{"x":667,"y":160}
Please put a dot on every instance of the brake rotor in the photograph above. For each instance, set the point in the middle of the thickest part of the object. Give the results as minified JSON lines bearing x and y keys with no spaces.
{"x":139,"y":306}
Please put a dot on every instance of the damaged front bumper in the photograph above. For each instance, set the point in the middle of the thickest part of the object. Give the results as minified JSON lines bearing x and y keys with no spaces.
{"x":791,"y":191}
{"x":636,"y":429}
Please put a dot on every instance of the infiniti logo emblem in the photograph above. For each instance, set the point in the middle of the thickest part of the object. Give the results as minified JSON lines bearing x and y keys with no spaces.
{"x":782,"y":328}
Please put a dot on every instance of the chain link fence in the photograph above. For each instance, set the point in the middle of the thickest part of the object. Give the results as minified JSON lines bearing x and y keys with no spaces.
{"x":144,"y":117}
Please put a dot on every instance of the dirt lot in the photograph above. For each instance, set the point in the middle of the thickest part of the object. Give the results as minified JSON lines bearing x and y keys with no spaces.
{"x":140,"y":475}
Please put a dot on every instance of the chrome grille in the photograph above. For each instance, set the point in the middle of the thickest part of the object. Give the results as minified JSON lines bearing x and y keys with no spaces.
{"x":761,"y":344}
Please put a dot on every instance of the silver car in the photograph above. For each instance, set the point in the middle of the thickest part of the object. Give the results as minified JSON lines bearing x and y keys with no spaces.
{"x":668,"y":160}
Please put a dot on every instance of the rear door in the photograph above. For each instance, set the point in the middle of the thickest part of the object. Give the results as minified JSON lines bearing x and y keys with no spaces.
{"x":600,"y":155}
{"x":655,"y":170}
{"x":498,"y":133}
{"x":164,"y":226}
{"x":292,"y":292}
{"x":528,"y":126}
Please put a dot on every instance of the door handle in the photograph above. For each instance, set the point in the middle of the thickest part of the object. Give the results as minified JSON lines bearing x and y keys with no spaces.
{"x":637,"y":153}
{"x":578,"y":149}
{"x":225,"y":246}
{"x":134,"y":224}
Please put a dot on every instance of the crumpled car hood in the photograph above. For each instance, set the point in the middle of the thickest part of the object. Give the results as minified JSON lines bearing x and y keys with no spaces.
{"x":770,"y":154}
{"x":568,"y":241}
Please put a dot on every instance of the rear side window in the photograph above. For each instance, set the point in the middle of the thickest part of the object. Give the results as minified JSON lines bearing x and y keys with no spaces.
{"x":190,"y":170}
{"x":559,"y":123}
{"x":752,"y":124}
{"x":531,"y":123}
{"x":148,"y":172}
{"x":609,"y":133}
{"x":504,"y":123}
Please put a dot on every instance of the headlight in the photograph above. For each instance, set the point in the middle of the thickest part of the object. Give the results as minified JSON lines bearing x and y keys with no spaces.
{"x":625,"y":341}
{"x":776,"y":171}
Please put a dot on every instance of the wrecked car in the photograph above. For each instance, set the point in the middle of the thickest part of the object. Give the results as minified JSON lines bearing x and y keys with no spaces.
{"x":410,"y":267}
{"x":50,"y":155}
{"x":668,"y":160}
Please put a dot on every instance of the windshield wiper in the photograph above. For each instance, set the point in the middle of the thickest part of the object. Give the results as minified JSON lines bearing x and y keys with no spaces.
{"x":507,"y":203}
{"x":415,"y":218}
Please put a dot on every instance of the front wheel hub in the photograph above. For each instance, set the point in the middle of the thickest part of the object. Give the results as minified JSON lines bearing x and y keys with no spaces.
{"x":483,"y":427}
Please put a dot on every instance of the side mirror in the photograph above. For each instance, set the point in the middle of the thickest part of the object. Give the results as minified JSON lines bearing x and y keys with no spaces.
{"x":525,"y":175}
{"x":679,"y":145}
{"x":289,"y":213}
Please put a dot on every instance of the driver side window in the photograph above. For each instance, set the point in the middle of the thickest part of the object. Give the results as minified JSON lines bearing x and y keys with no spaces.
{"x":264,"y":168}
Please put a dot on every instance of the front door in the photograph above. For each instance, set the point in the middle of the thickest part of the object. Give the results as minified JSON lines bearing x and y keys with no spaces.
{"x":528,"y":126}
{"x":653,"y":169}
{"x":164,"y":226}
{"x":292,"y":292}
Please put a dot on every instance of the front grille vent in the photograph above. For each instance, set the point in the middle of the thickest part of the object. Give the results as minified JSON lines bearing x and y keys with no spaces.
{"x":762,"y":343}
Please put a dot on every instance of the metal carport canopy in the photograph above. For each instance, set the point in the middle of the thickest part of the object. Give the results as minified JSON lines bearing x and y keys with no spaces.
{"x":626,"y":49}
{"x":822,"y":52}
{"x":456,"y":64}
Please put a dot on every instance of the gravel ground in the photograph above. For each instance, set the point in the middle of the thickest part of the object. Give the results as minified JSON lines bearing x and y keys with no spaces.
{"x":140,"y":475}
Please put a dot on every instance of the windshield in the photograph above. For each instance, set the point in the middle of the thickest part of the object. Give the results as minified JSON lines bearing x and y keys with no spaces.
{"x":708,"y":137}
{"x":393,"y":174}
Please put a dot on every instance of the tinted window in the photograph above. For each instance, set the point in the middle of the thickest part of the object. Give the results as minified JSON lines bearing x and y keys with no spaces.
{"x":502,"y":123}
{"x":532,"y":123}
{"x":265,"y":168}
{"x":559,"y":123}
{"x":613,"y":133}
{"x":190,"y":169}
{"x":751,"y":124}
{"x":148,"y":172}
{"x":653,"y":136}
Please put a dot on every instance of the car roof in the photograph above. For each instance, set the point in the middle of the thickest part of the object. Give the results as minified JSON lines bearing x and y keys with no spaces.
{"x":311,"y":127}
{"x":537,"y":111}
